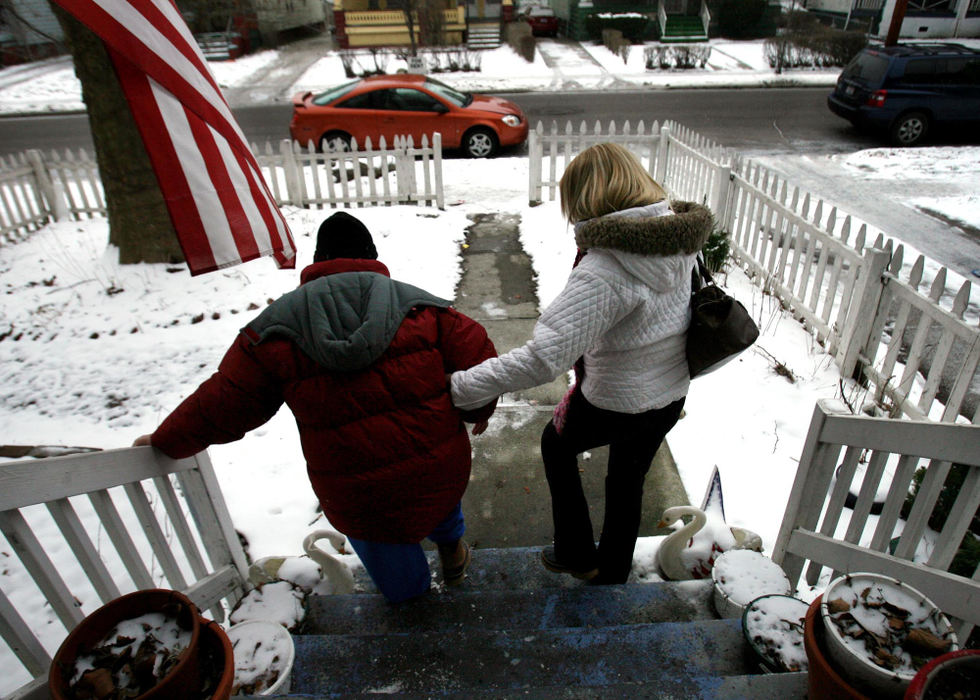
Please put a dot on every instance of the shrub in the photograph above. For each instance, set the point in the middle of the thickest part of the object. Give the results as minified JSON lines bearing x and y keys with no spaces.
{"x":813,"y":46}
{"x":614,"y":40}
{"x":690,"y":56}
{"x":681,"y":56}
{"x":716,"y":250}
{"x":520,"y":39}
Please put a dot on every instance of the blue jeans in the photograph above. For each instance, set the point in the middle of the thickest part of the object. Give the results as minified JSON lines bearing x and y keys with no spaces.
{"x":401,"y":571}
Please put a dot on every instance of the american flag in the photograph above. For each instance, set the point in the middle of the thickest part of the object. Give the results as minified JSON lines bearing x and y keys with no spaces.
{"x":220,"y":205}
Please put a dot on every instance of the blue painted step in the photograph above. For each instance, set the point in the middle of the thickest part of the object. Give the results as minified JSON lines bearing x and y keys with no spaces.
{"x":584,"y":606}
{"x":451,"y":660}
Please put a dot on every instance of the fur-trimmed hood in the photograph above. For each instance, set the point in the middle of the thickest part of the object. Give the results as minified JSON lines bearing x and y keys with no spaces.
{"x":684,"y":232}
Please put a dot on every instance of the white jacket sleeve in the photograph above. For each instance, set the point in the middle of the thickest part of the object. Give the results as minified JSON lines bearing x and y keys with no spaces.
{"x":585,"y":309}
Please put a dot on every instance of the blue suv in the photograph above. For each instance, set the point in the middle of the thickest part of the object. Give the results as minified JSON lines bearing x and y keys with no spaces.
{"x":907,"y":89}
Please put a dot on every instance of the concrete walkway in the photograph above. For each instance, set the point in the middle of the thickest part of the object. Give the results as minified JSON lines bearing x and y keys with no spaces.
{"x":507,"y":503}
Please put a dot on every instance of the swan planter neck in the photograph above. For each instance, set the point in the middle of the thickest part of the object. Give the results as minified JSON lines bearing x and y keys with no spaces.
{"x":691,"y":551}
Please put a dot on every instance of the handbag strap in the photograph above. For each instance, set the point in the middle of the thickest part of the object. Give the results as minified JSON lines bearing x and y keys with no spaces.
{"x":700,"y":275}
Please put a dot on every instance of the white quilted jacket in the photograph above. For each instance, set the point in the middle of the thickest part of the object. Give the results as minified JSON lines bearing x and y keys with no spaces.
{"x":625,"y":308}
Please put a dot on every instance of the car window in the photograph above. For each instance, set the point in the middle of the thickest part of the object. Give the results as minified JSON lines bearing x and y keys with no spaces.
{"x":332,"y":94}
{"x":460,"y":99}
{"x":366,"y":100}
{"x":409,"y":99}
{"x":971,"y":74}
{"x":962,"y":71}
{"x":922,"y":70}
{"x":867,"y":68}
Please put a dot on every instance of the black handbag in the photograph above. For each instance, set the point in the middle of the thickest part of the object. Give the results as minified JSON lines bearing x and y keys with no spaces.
{"x":721,"y":327}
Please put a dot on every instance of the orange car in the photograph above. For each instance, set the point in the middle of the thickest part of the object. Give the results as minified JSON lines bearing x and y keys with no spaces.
{"x":406,"y":105}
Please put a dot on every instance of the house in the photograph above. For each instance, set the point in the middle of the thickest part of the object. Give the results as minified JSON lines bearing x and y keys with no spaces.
{"x":28,"y":31}
{"x":924,"y":19}
{"x":377,"y":23}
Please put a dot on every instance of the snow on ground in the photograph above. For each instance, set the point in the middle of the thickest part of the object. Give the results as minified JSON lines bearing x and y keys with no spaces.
{"x":94,"y":354}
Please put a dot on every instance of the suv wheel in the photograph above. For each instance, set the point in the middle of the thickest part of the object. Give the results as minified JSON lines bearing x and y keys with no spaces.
{"x":910,"y":128}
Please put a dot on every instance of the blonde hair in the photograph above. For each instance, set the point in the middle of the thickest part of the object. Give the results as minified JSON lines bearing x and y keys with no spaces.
{"x":605,"y":178}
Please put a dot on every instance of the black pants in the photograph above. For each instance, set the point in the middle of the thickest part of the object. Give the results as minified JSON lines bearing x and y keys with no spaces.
{"x":633,"y":440}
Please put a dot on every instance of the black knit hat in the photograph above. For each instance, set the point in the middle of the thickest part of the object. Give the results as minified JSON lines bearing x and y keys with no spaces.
{"x":343,"y":236}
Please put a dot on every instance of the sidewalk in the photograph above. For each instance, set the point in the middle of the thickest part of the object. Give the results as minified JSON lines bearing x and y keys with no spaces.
{"x":507,"y":503}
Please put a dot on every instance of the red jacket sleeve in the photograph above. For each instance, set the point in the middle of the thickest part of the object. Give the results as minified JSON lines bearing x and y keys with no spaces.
{"x":465,"y":343}
{"x":240,"y":396}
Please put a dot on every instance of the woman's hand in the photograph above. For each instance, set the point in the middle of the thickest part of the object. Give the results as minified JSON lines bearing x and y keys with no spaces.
{"x":478,"y":428}
{"x":142,"y":441}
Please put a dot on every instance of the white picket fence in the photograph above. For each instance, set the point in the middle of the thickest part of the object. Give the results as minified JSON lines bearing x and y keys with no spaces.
{"x":844,"y":287}
{"x":36,"y":188}
{"x":820,"y":537}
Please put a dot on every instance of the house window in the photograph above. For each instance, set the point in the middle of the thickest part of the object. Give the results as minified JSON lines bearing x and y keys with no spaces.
{"x":942,"y":6}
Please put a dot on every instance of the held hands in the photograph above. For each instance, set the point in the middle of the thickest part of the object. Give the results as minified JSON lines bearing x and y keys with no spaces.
{"x":478,"y":428}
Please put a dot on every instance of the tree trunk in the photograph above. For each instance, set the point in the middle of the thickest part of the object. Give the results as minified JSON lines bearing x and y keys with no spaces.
{"x":139,"y":224}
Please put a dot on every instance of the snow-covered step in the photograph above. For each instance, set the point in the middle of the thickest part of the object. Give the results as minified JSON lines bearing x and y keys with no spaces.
{"x":472,"y":657}
{"x":583,"y":606}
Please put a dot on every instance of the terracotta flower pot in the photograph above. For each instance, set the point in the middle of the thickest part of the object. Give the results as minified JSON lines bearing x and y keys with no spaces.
{"x":939,"y":672}
{"x":183,"y":680}
{"x":217,"y":660}
{"x":823,"y":680}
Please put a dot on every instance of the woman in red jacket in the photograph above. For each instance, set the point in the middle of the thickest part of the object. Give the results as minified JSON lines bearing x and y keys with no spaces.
{"x":361,"y":361}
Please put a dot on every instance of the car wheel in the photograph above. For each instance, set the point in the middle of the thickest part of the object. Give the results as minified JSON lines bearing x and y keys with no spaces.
{"x":335,"y":141}
{"x":480,"y":143}
{"x":910,"y":128}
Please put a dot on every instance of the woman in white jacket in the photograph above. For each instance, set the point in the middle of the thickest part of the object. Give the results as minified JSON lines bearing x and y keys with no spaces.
{"x":622,"y":321}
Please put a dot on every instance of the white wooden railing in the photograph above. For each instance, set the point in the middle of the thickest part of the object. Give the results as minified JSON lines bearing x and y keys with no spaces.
{"x":846,"y":454}
{"x":87,"y":528}
{"x":843,"y":284}
{"x":36,"y":188}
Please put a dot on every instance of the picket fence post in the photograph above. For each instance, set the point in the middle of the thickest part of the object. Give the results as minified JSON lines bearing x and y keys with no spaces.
{"x":292,"y":172}
{"x":662,"y":150}
{"x":863,"y":310}
{"x":50,"y":200}
{"x":721,"y":188}
{"x":534,"y":149}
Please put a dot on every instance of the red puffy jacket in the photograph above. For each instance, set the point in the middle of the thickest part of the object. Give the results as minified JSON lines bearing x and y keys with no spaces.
{"x":386,"y":451}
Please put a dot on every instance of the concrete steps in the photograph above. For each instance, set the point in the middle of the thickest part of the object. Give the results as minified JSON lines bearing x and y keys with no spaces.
{"x":483,"y":36}
{"x":684,"y":28}
{"x":514,"y":629}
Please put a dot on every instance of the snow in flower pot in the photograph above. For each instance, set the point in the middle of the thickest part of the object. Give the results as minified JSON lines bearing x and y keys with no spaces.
{"x":144,"y":643}
{"x":824,"y":682}
{"x":880,"y":631}
{"x":264,"y":655}
{"x":773,"y":627}
{"x":740,"y":576}
{"x":955,"y":674}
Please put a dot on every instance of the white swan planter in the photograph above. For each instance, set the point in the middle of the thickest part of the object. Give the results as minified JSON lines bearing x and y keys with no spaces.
{"x":690,"y":552}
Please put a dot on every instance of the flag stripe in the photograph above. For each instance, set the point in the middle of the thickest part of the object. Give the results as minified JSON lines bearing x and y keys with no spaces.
{"x":219,"y":202}
{"x":175,"y":188}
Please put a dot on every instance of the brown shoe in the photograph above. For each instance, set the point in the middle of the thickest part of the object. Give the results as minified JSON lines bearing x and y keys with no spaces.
{"x":551,"y":563}
{"x":455,"y":560}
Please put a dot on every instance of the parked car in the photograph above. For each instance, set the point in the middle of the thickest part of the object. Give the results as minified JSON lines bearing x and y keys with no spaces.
{"x":543,"y":20}
{"x":906,"y":90}
{"x":406,"y":105}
